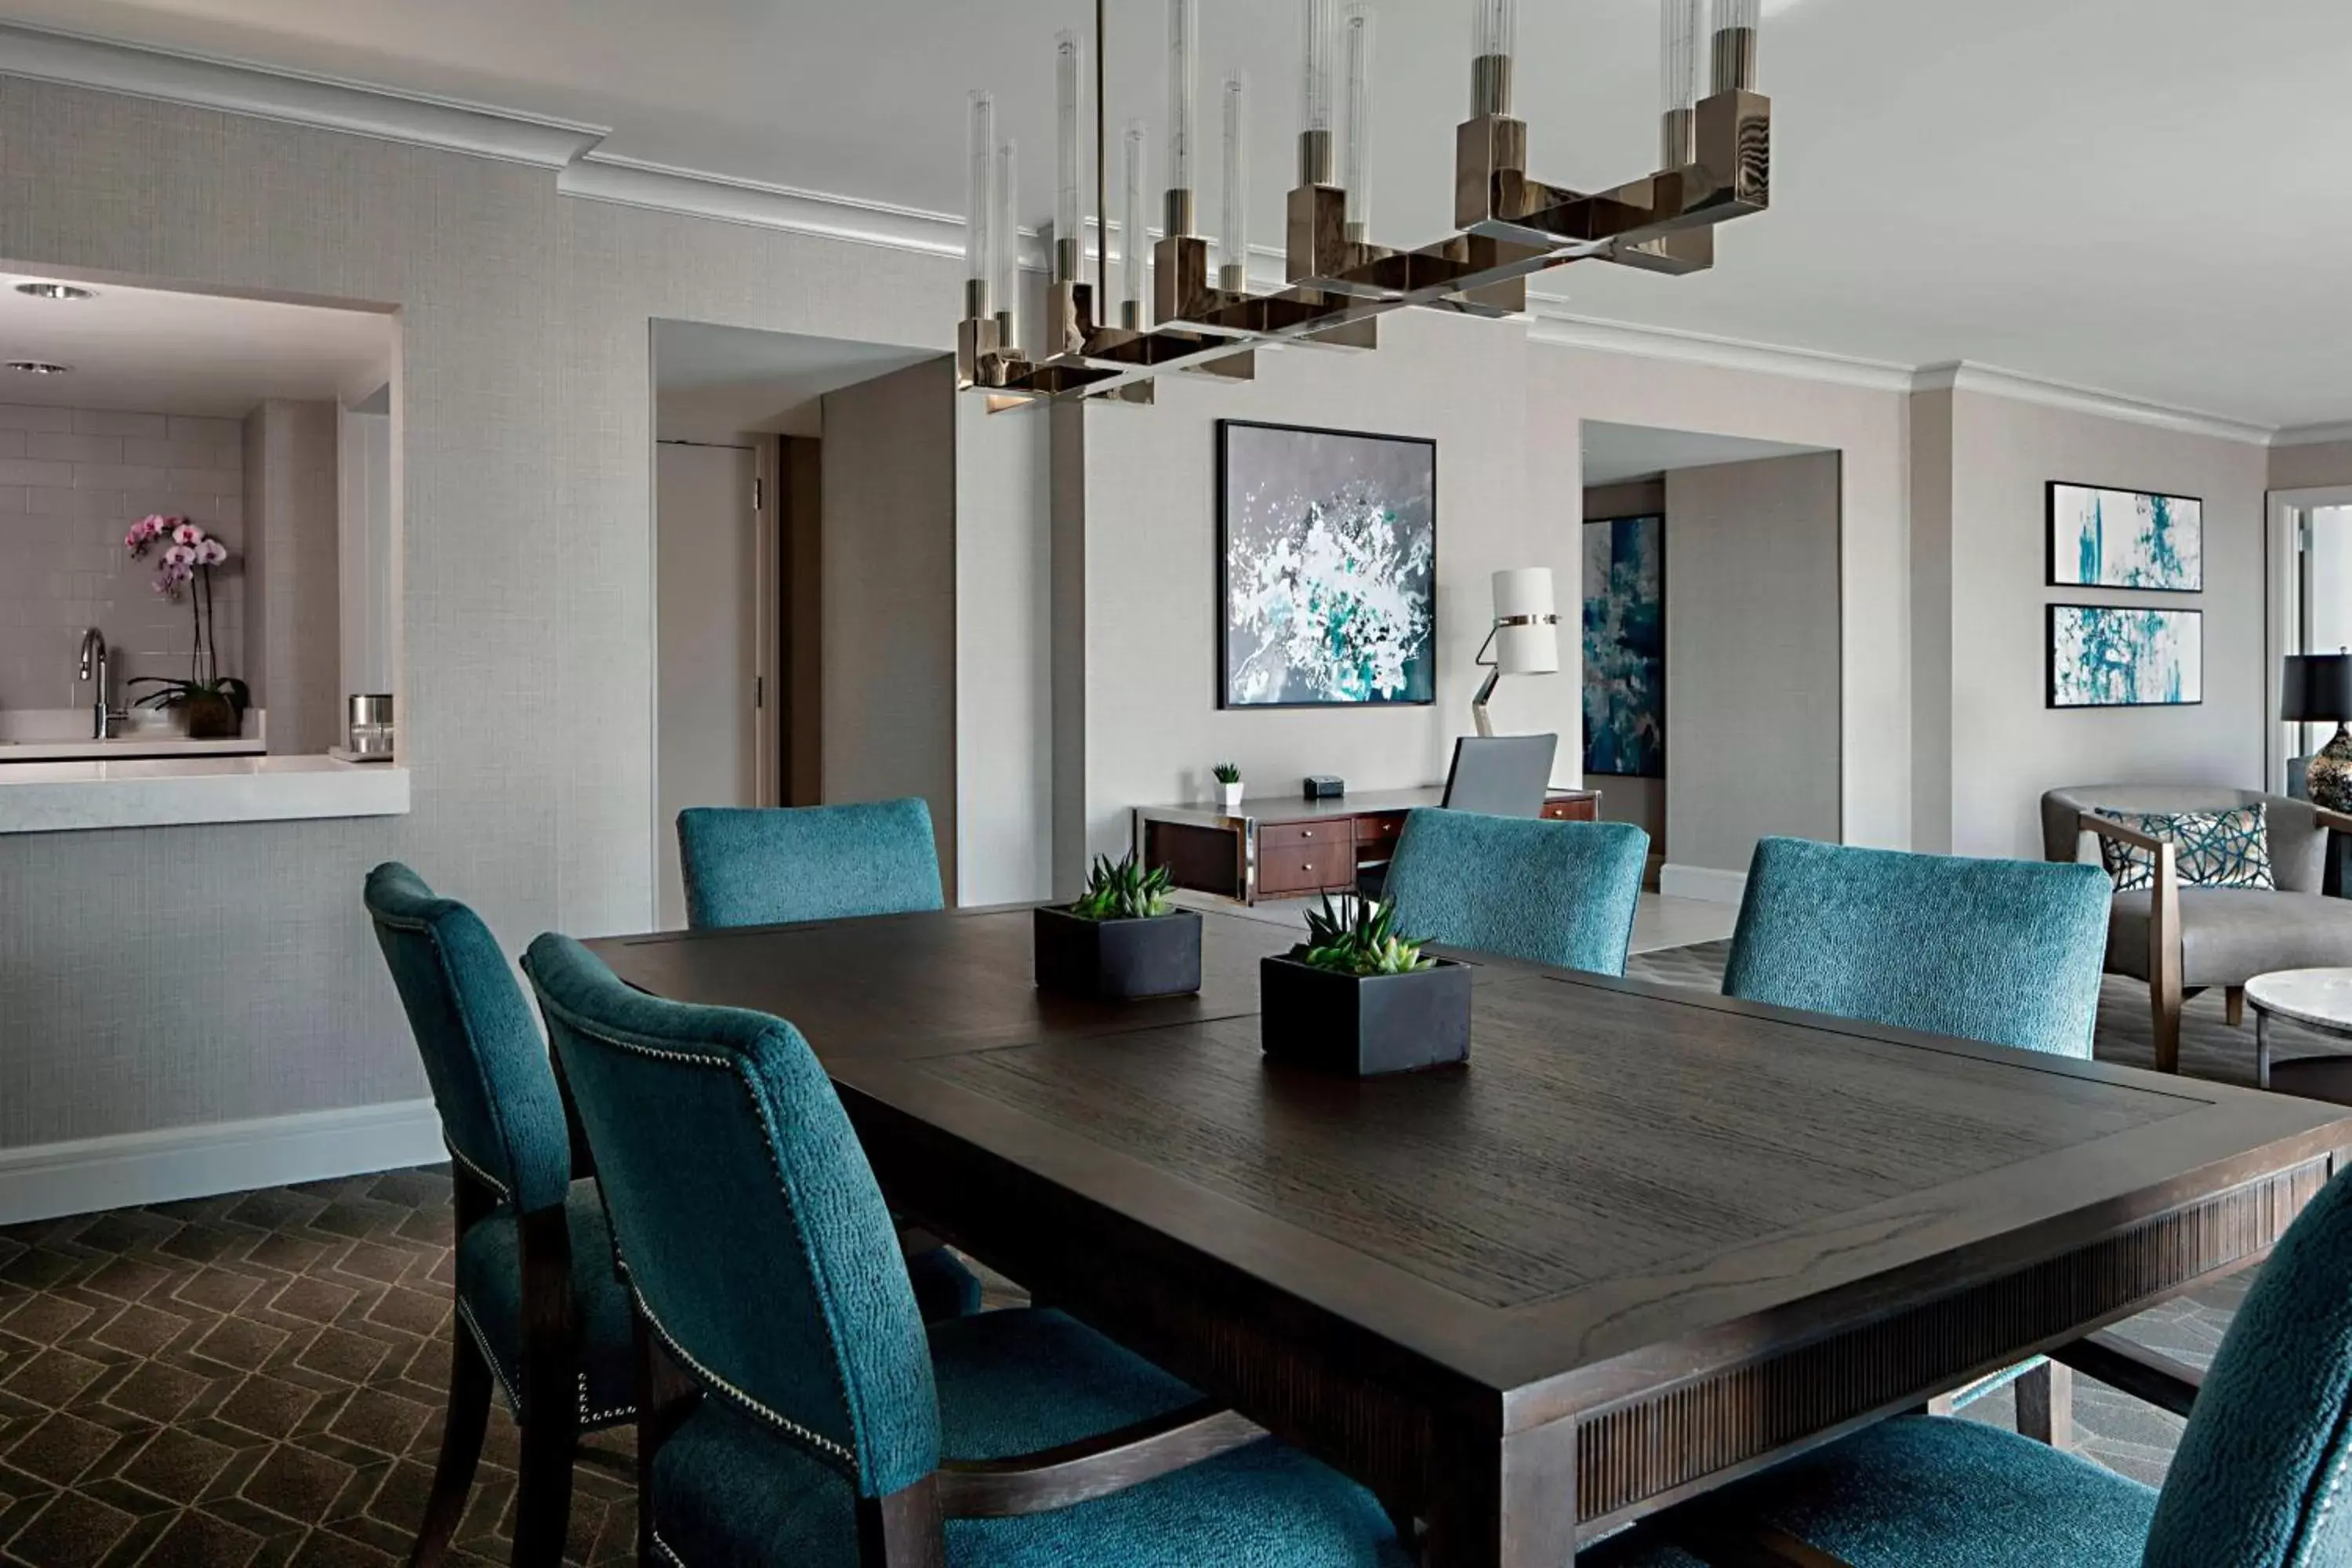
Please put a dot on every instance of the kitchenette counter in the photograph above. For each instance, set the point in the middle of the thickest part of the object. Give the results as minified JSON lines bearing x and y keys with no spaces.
{"x":179,"y":791}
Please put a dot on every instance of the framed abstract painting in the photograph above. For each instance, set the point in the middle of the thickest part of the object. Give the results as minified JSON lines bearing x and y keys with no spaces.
{"x":1327,"y":568}
{"x":2111,"y":656}
{"x":2125,"y":539}
{"x":1625,"y":647}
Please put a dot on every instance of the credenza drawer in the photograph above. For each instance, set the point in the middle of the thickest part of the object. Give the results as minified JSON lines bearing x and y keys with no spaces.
{"x":1385,"y":828}
{"x":1302,"y":835}
{"x":1296,"y":867}
{"x":1578,"y":808}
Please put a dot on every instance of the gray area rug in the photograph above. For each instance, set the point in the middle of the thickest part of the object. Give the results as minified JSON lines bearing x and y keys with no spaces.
{"x":2123,"y":1434}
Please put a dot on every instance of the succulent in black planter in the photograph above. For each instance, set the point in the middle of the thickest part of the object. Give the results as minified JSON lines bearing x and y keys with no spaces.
{"x":1359,"y":996}
{"x":1122,"y":939}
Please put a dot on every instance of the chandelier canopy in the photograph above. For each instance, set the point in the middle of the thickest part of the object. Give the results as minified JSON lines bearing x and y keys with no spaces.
{"x":1715,"y":164}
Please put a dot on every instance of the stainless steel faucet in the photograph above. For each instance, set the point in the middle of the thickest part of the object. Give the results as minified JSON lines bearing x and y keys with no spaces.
{"x":102,"y":714}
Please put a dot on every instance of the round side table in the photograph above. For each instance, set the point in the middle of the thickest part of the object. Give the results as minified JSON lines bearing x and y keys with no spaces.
{"x":2317,"y":999}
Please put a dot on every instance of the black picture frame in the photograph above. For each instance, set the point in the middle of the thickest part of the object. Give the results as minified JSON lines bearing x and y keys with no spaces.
{"x":1222,"y":619}
{"x":2050,"y":655}
{"x":2050,"y":577}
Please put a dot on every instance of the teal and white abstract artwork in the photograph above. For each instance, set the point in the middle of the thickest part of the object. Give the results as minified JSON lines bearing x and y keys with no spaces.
{"x":2104,"y":656}
{"x":2125,"y":539}
{"x":1625,"y":648}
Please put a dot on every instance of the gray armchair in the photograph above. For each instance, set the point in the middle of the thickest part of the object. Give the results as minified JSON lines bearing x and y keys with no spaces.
{"x":2182,"y":940}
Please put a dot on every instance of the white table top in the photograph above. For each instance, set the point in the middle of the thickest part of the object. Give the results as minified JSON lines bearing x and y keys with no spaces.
{"x":2319,"y":998}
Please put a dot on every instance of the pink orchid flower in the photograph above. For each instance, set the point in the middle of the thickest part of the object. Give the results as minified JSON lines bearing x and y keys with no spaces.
{"x":187,"y":533}
{"x":211,"y":552}
{"x":180,"y":556}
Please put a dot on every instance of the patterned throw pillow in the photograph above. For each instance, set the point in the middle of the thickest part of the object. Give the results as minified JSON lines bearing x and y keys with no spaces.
{"x":2211,"y":848}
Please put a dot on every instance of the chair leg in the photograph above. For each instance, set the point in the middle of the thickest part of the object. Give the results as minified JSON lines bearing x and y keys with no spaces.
{"x":2233,"y":1002}
{"x":461,"y":1448}
{"x":2165,"y":1001}
{"x":543,"y":1507}
{"x":2045,"y":1404}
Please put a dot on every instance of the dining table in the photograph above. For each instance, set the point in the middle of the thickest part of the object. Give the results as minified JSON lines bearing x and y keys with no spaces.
{"x":1644,"y":1241}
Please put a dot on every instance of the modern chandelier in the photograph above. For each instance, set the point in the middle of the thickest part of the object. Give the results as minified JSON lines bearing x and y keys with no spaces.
{"x":1177,"y":314}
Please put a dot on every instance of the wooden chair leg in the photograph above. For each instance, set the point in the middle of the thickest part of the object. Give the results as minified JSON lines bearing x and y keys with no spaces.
{"x":542,"y":1506}
{"x":2045,"y":1404}
{"x":461,"y":1448}
{"x":2165,"y":1005}
{"x":2233,"y":1002}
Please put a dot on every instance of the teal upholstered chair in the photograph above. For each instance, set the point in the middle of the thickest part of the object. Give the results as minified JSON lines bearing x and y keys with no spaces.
{"x":1556,"y":893}
{"x":2005,"y":952}
{"x":2255,"y":1483}
{"x":764,"y":867}
{"x":538,"y":1310}
{"x":810,"y":863}
{"x":820,"y":1424}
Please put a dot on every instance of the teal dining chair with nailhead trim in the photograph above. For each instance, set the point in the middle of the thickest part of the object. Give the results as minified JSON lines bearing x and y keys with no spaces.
{"x":798,"y":1409}
{"x":2258,"y":1481}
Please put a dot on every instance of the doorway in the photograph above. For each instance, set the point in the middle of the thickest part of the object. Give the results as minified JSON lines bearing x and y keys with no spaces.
{"x":2310,"y":612}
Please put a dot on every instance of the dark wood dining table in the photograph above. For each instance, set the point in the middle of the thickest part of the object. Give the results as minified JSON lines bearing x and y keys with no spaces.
{"x":1644,"y":1241}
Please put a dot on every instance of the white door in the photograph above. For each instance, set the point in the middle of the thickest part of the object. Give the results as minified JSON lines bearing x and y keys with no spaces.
{"x":708,"y":564}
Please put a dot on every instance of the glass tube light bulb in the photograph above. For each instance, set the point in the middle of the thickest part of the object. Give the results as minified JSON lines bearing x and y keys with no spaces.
{"x":1494,"y":43}
{"x":1007,"y":234}
{"x":1069,"y":221}
{"x":1681,"y":39}
{"x":979,"y":207}
{"x":1319,"y":26}
{"x":1134,"y":249}
{"x":1356,"y":34}
{"x":1737,"y":25}
{"x":1234,"y":279}
{"x":1184,"y":107}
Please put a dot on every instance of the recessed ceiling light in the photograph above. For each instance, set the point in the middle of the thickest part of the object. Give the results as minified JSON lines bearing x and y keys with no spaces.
{"x":38,"y":367}
{"x":56,"y":291}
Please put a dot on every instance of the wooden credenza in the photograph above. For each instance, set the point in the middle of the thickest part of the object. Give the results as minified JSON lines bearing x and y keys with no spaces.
{"x":1277,"y":847}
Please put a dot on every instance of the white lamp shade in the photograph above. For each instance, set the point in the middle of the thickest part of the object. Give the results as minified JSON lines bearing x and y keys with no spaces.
{"x":1524,"y":594}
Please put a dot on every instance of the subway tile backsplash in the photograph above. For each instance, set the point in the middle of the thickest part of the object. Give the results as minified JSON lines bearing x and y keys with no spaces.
{"x":72,"y":481}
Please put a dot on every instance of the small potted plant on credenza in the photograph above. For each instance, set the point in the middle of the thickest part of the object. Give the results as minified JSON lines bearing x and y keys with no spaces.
{"x":1358,"y":998}
{"x":1229,"y":786}
{"x":1122,"y":939}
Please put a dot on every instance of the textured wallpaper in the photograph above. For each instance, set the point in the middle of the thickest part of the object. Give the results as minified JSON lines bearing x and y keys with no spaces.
{"x":180,"y":975}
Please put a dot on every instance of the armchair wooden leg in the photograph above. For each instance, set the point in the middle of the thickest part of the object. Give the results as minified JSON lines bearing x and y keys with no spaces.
{"x":2233,"y":1002}
{"x":2167,"y":1010}
{"x":2045,"y":1404}
{"x":2164,"y":958}
{"x":461,"y":1448}
{"x":543,"y":1505}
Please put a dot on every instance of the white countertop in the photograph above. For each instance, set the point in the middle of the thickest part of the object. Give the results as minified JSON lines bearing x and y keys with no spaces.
{"x":170,"y":791}
{"x":62,"y":734}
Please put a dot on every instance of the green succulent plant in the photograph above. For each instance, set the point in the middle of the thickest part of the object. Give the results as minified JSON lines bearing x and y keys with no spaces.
{"x":1228,"y":772}
{"x":1124,"y":891}
{"x":1360,"y":939}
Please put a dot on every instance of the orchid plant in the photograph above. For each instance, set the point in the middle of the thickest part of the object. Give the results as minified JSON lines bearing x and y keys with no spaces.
{"x":185,"y":555}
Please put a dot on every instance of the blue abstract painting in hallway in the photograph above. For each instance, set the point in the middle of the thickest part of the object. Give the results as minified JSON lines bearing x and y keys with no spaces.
{"x":2125,"y":539}
{"x":1625,"y":648}
{"x":2105,"y":656}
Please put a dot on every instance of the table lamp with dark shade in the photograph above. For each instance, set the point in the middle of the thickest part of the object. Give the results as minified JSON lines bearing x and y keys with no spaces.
{"x":2316,"y":689}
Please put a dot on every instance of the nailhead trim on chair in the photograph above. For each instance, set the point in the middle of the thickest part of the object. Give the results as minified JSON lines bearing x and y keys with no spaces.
{"x":514,"y":1400}
{"x":662,"y":1053}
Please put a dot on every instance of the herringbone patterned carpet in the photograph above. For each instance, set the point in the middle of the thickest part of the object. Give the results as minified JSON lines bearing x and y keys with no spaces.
{"x":248,"y":1382}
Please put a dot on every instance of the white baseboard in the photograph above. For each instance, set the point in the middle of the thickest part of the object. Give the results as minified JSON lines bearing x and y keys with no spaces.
{"x":1700,"y":882}
{"x":47,"y":1179}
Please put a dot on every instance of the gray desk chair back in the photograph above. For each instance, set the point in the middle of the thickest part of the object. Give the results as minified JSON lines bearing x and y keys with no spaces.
{"x":1501,"y":775}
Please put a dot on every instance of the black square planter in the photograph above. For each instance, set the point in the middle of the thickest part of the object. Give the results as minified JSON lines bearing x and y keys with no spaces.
{"x":1367,"y":1025}
{"x":1119,"y":961}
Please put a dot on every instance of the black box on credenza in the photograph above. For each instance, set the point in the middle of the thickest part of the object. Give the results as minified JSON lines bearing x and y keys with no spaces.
{"x":1323,"y":787}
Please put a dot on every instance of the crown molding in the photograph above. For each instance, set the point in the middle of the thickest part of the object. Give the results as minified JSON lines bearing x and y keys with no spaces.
{"x":294,"y":98}
{"x":1565,"y":331}
{"x":606,"y":177}
{"x":2313,"y":435}
{"x":1961,"y":375}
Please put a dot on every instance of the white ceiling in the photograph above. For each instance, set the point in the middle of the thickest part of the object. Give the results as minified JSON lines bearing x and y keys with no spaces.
{"x":2138,"y":196}
{"x":1616,"y":453}
{"x":207,"y":354}
{"x":711,"y":380}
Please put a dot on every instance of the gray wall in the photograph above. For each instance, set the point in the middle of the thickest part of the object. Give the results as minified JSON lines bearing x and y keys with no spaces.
{"x":1642,"y":802}
{"x":294,"y":639}
{"x":1753,"y":655}
{"x":2007,"y":745}
{"x":170,"y":976}
{"x":889,"y":593}
{"x":2312,"y":467}
{"x":1003,"y":673}
{"x":1152,"y":727}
